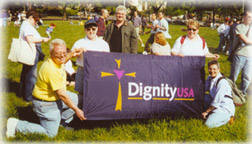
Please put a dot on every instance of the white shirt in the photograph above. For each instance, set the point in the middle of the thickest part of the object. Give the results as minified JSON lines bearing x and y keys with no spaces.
{"x":154,"y":23}
{"x":161,"y":50}
{"x":223,"y":29}
{"x":222,"y":103}
{"x":163,"y":23}
{"x":69,"y":67}
{"x":96,"y":45}
{"x":26,"y":29}
{"x":190,"y":47}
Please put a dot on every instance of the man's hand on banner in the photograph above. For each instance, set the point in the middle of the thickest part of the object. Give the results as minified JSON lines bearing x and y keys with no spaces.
{"x":77,"y":52}
{"x":83,"y":49}
{"x":181,"y":55}
{"x":80,"y":114}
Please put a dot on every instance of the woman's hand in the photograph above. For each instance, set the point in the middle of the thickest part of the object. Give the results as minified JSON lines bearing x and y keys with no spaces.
{"x":204,"y":115}
{"x":44,"y":39}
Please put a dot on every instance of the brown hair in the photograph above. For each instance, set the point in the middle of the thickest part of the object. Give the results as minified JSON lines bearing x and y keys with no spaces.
{"x":193,"y":22}
{"x":160,"y":38}
{"x":32,"y":13}
{"x":213,"y":62}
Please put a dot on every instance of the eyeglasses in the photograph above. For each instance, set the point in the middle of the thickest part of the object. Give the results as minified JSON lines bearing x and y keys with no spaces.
{"x":191,"y":29}
{"x":93,"y":28}
{"x":59,"y":55}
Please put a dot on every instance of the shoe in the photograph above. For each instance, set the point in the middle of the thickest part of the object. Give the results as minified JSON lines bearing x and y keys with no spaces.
{"x":231,"y":121}
{"x":11,"y":127}
{"x":227,"y":52}
{"x":142,"y":45}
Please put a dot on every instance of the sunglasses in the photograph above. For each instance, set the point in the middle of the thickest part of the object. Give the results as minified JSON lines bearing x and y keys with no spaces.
{"x":93,"y":28}
{"x":191,"y":29}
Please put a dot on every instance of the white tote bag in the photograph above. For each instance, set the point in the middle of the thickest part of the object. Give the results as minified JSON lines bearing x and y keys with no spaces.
{"x":22,"y":52}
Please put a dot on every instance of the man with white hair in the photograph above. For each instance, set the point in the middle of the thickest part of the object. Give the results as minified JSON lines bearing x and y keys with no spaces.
{"x":52,"y":103}
{"x":121,"y":35}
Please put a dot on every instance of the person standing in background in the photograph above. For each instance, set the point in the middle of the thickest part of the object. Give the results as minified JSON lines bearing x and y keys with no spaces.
{"x":163,"y":25}
{"x":29,"y":73}
{"x":101,"y":23}
{"x":223,"y":31}
{"x":121,"y":35}
{"x":137,"y":22}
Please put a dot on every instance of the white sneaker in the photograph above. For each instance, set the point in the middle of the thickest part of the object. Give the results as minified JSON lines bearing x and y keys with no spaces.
{"x":11,"y":127}
{"x":142,"y":45}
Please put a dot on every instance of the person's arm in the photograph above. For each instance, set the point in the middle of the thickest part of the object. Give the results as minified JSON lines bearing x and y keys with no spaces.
{"x":133,"y":41}
{"x":221,"y":90}
{"x":31,"y":39}
{"x":177,"y":54}
{"x":75,"y":52}
{"x":212,"y":56}
{"x":66,"y":99}
{"x":245,"y":39}
{"x":204,"y":114}
{"x":176,"y":48}
{"x":160,"y":27}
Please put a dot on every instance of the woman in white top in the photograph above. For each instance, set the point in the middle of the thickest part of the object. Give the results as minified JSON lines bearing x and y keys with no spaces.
{"x":29,"y":73}
{"x":160,"y":45}
{"x":192,"y":44}
{"x":91,"y":42}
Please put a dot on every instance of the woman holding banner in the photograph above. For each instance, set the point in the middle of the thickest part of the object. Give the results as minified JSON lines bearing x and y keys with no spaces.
{"x":160,"y":45}
{"x":192,"y":44}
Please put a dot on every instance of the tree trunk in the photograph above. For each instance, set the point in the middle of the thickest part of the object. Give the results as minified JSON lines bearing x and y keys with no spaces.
{"x":214,"y":17}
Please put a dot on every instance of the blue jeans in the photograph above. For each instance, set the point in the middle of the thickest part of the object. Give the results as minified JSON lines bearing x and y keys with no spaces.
{"x":50,"y":115}
{"x":28,"y":80}
{"x":221,"y":42}
{"x":79,"y":77}
{"x":217,"y":119}
{"x":230,"y":45}
{"x":243,"y":64}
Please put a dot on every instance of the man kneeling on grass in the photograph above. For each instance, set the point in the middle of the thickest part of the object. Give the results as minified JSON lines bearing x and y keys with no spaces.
{"x":219,"y":104}
{"x":51,"y":102}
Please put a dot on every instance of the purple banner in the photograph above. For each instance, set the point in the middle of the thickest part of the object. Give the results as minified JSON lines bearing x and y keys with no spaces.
{"x":132,"y":86}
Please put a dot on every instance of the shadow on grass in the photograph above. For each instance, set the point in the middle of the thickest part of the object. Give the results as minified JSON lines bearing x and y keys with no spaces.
{"x":91,"y":124}
{"x":27,"y":114}
{"x":10,"y":85}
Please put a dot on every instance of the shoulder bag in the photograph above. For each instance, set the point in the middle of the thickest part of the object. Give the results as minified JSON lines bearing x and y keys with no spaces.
{"x":23,"y":52}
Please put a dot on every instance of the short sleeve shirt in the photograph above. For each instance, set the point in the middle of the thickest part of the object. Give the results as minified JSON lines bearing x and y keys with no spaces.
{"x":161,"y":50}
{"x":96,"y":45}
{"x":26,"y":29}
{"x":247,"y":49}
{"x":190,"y":47}
{"x":51,"y":77}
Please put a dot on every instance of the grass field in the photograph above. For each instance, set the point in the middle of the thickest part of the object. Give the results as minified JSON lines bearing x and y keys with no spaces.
{"x":151,"y":130}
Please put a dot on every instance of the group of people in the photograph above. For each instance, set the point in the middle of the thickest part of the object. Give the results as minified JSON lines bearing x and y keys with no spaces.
{"x":226,"y":33}
{"x":55,"y":106}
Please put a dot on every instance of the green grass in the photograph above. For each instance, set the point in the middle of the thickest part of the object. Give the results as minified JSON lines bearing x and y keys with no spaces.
{"x":153,"y":130}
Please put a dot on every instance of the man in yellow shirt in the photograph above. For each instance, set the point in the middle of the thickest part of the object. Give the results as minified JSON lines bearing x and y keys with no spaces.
{"x":51,"y":102}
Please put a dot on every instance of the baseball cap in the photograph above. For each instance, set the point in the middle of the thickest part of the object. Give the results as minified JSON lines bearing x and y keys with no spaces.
{"x":90,"y":22}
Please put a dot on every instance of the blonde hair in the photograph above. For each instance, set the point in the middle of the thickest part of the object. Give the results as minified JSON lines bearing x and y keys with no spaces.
{"x":160,"y":38}
{"x":192,"y":22}
{"x":55,"y":42}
